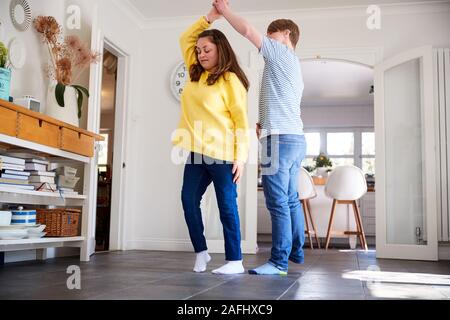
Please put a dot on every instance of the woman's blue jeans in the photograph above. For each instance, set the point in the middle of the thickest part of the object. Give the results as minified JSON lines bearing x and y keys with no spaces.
{"x":281,"y":160}
{"x":199,"y":172}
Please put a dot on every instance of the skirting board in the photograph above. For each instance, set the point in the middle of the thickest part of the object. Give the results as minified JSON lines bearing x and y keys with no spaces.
{"x":215,"y":246}
{"x":444,"y":251}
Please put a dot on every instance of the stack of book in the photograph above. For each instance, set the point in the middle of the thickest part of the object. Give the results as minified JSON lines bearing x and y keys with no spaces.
{"x":13,"y":174}
{"x":40,"y":177}
{"x":67,"y":180}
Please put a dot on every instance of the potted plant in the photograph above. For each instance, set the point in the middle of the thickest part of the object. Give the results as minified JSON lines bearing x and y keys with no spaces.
{"x":69,"y":57}
{"x":322,"y":165}
{"x":5,"y":73}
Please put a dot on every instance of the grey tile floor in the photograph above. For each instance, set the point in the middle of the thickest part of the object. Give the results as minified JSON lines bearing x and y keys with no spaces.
{"x":332,"y":274}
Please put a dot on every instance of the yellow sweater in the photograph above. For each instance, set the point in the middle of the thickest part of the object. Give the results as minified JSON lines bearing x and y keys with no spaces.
{"x":213,"y":118}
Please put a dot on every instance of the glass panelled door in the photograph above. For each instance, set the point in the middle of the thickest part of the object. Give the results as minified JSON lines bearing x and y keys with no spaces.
{"x":406,"y":157}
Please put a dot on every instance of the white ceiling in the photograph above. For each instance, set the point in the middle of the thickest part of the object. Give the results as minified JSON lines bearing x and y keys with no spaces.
{"x":151,"y":9}
{"x":336,"y":83}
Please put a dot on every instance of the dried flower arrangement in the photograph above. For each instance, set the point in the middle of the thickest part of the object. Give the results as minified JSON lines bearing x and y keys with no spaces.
{"x":68,"y":55}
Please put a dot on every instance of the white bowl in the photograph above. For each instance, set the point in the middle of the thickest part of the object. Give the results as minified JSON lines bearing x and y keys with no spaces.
{"x":37,"y":229}
{"x":13,"y":234}
{"x":36,"y":235}
{"x":5,"y":218}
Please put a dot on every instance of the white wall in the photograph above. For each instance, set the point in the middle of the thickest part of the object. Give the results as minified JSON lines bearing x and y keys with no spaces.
{"x":154,"y":183}
{"x":338,"y":116}
{"x":21,"y":82}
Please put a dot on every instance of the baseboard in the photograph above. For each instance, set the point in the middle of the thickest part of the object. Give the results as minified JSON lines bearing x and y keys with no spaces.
{"x":214,"y":246}
{"x":334,"y":242}
{"x":444,"y":251}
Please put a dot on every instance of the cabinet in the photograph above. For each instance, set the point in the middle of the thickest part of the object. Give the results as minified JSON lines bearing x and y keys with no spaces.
{"x":367,"y":208}
{"x":28,"y":131}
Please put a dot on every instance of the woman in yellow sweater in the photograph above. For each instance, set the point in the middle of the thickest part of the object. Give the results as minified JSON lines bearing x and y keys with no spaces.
{"x":214,"y":129}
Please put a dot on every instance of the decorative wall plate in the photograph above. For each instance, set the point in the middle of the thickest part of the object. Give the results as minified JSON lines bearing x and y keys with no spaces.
{"x":20,"y":12}
{"x":17,"y":53}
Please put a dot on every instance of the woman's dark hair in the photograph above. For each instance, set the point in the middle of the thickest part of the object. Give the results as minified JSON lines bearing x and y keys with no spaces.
{"x":227,"y":60}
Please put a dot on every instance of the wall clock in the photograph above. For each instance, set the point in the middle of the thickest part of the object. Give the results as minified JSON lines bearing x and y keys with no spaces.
{"x":178,"y":80}
{"x":20,"y":12}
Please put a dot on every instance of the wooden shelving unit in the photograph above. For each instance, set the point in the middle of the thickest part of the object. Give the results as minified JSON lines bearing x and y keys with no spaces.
{"x":13,"y":135}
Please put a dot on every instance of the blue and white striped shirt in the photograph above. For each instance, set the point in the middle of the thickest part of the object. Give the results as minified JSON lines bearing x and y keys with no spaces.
{"x":281,"y":90}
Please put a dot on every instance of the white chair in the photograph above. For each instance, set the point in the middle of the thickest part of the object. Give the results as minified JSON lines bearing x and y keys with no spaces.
{"x":345,"y":185}
{"x":306,"y":191}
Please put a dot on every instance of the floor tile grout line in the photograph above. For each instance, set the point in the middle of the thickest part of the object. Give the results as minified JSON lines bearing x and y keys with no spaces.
{"x":361,"y":282}
{"x":292,"y":284}
{"x":206,"y":290}
{"x":134,"y":286}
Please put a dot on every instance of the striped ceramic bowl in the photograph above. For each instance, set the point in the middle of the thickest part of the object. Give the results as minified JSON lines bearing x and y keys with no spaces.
{"x":24,"y":217}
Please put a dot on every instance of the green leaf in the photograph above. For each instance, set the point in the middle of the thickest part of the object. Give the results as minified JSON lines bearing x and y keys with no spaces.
{"x":79,"y":100}
{"x":84,"y":90}
{"x":59,"y":94}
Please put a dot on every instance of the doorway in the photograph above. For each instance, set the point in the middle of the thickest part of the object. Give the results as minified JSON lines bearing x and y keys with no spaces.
{"x":106,"y":151}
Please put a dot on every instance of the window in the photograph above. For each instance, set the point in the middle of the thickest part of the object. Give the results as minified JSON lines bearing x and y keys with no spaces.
{"x":103,"y":153}
{"x":344,"y":146}
{"x":341,"y":148}
{"x":368,"y":152}
{"x":312,"y":148}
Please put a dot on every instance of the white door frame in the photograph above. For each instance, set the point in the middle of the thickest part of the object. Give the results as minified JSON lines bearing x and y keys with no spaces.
{"x":98,"y":43}
{"x":117,"y":234}
{"x":397,"y":251}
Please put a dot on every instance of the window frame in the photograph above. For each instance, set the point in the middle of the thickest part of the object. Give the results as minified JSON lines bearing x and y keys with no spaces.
{"x":357,"y":141}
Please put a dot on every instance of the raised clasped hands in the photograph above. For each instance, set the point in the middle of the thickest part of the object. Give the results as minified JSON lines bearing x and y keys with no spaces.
{"x":220,"y":5}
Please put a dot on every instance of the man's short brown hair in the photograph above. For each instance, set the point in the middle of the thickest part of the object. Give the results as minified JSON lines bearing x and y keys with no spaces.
{"x":285,"y":24}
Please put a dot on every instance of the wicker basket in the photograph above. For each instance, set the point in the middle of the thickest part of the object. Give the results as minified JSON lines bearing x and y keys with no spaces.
{"x":59,"y":222}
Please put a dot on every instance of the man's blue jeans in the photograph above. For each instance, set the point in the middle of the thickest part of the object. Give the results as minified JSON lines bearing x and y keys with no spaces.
{"x":281,"y":160}
{"x":199,"y":172}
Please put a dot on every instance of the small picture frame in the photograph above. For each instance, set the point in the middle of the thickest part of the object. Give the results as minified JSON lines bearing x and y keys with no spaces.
{"x":29,"y":102}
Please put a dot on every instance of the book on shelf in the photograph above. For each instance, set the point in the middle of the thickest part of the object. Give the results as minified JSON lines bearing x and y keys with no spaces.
{"x":11,"y":160}
{"x":68,"y":191}
{"x":43,"y":173}
{"x":67,"y":182}
{"x":16,"y":186}
{"x":7,"y":166}
{"x":15,"y":172}
{"x":42,"y":179}
{"x":13,"y":181}
{"x":13,"y":176}
{"x":35,"y":167}
{"x":66,"y":171}
{"x":38,"y":161}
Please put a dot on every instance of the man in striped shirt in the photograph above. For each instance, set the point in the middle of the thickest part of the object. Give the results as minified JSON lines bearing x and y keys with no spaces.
{"x":280,"y":130}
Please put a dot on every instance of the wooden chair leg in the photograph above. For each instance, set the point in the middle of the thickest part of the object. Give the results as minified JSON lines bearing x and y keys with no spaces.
{"x":358,"y":227}
{"x":330,"y":223}
{"x":307,"y":231}
{"x":359,"y":221}
{"x":312,"y":223}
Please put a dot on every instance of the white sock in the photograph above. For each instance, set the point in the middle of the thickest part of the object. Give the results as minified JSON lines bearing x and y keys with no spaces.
{"x":232,"y":267}
{"x":201,"y":261}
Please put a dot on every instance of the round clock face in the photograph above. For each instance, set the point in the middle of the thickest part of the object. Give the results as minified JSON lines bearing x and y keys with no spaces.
{"x":178,"y":80}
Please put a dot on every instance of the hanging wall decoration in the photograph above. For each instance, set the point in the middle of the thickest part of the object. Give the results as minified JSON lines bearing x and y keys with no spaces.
{"x":20,"y":12}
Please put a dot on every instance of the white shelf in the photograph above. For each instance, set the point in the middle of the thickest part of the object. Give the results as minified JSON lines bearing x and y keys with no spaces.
{"x":41,"y":148}
{"x":40,"y":243}
{"x":28,"y":197}
{"x":20,"y":196}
